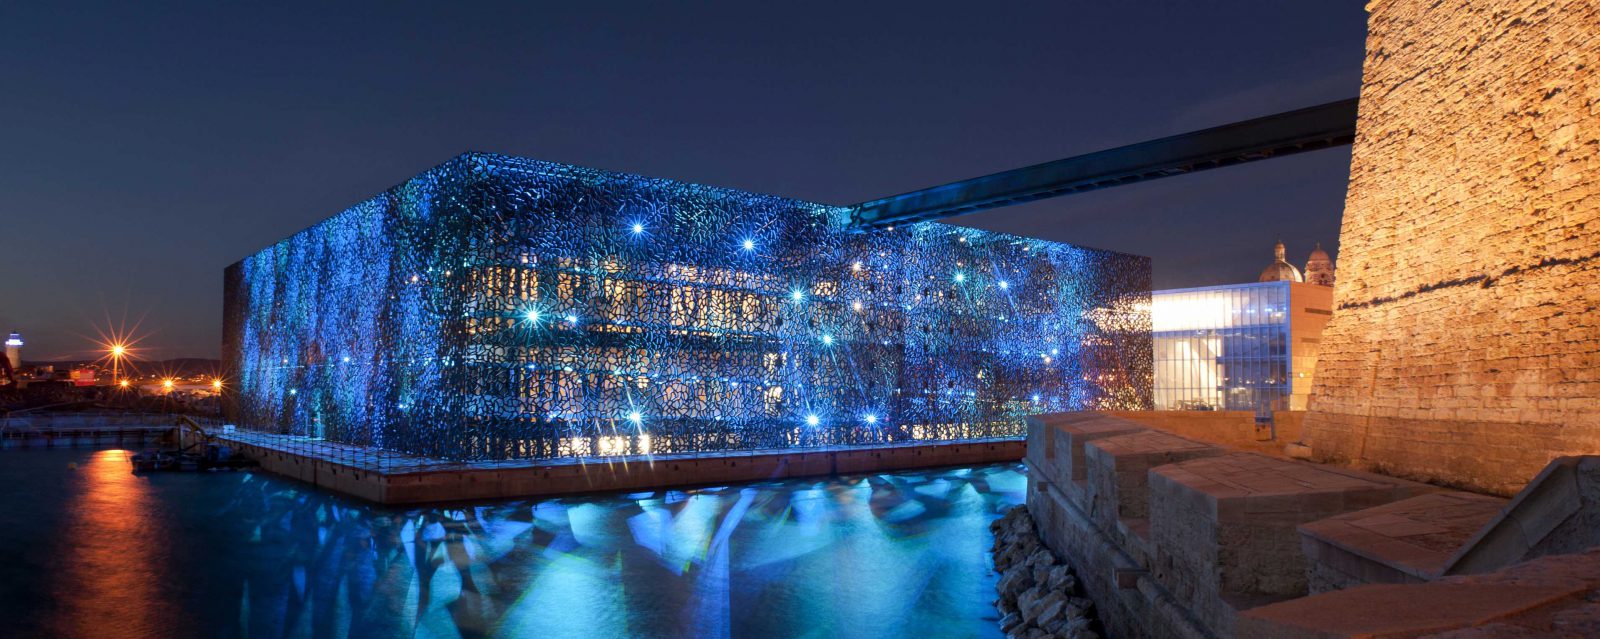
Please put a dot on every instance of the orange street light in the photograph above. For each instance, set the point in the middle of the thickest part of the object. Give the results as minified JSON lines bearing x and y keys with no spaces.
{"x":167,"y":384}
{"x":118,"y":350}
{"x":216,"y":385}
{"x":123,"y":383}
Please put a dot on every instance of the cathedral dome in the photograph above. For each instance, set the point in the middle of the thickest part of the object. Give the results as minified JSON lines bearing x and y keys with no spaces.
{"x":1281,"y":270}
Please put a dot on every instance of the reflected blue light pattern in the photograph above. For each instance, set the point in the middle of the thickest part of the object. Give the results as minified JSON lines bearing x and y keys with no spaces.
{"x":500,"y":308}
{"x":242,"y":555}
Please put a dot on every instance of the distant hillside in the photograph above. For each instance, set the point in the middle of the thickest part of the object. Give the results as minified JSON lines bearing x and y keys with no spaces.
{"x":181,"y":367}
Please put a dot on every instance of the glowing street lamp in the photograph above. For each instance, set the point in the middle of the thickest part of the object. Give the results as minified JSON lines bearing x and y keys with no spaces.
{"x":118,"y":351}
{"x":216,"y":385}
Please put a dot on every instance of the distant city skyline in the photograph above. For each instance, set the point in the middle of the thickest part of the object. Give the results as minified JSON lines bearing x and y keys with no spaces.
{"x":149,"y":162}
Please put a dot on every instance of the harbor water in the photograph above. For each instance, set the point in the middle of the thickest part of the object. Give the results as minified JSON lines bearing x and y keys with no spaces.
{"x":93,"y":550}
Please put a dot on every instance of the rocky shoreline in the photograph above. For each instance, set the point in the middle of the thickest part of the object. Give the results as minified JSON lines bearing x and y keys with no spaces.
{"x":1039,"y":595}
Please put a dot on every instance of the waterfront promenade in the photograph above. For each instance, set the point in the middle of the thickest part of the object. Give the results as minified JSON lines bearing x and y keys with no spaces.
{"x":391,"y":478}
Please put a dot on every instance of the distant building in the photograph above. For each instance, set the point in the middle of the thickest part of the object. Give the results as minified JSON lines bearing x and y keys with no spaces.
{"x":83,"y":376}
{"x":1280,"y":270}
{"x":14,"y":350}
{"x":1242,"y":346}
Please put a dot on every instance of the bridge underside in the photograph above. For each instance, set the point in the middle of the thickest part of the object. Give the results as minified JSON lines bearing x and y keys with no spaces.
{"x":1309,"y":129}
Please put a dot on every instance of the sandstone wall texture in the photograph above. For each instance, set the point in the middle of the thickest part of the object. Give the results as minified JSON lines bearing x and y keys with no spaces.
{"x":1465,"y":343}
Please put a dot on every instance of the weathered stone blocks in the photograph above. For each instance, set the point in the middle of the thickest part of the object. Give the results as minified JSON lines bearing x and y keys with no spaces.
{"x":1465,"y":342}
{"x":1117,"y":473}
{"x":1408,"y":541}
{"x":1224,"y":533}
{"x":1549,"y":597}
{"x":1056,"y":441}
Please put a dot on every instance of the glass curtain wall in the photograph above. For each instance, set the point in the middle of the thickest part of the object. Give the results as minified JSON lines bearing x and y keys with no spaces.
{"x":1222,"y":347}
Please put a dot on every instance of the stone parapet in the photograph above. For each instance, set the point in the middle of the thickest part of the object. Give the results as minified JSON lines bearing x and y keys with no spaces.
{"x":1117,"y":482}
{"x":1408,"y":541}
{"x":1424,"y":538}
{"x":1223,"y":529}
{"x":1056,"y":441}
{"x":1556,"y":596}
{"x":1172,"y":537}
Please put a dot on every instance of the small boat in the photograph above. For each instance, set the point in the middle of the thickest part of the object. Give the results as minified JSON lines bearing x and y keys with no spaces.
{"x":152,"y":460}
{"x":215,"y":457}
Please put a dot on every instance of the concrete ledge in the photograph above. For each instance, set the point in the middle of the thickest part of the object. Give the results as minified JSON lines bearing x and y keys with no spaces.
{"x":1118,"y":468}
{"x":419,"y":482}
{"x":1224,"y":528}
{"x":1553,"y":596}
{"x":1055,"y":445}
{"x":1408,"y":541}
{"x":1557,"y":512}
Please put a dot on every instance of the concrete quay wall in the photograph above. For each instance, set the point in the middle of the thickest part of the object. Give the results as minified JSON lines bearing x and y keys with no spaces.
{"x":121,"y":436}
{"x":455,"y":482}
{"x":72,"y":429}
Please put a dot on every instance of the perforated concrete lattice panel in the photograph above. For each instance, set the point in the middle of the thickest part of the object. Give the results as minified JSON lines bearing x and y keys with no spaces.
{"x":500,"y":308}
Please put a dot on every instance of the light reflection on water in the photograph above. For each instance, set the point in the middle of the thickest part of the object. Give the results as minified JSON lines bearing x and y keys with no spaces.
{"x":115,"y":548}
{"x":242,"y":555}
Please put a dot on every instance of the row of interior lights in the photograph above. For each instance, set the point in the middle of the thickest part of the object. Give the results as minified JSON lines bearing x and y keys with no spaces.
{"x":750,"y":245}
{"x":533,"y":315}
{"x":637,"y":418}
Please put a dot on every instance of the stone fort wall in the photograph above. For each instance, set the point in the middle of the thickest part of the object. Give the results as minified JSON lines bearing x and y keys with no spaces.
{"x":1465,"y":343}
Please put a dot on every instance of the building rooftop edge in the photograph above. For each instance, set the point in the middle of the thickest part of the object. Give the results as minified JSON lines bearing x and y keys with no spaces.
{"x":561,"y":169}
{"x":1215,"y":287}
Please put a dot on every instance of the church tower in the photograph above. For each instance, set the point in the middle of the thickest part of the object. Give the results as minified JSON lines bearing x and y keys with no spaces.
{"x":1319,"y":268}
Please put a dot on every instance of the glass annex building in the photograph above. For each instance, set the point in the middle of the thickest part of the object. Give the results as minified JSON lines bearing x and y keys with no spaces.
{"x":503,"y":308}
{"x":1249,"y":347}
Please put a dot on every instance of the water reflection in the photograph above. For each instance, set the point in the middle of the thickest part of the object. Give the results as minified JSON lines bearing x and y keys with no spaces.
{"x":887,"y":555}
{"x":116,"y":542}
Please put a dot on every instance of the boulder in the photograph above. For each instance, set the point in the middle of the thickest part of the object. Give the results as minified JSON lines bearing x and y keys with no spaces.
{"x":1051,"y":613}
{"x":1027,"y":604}
{"x":1038,"y":595}
{"x":1061,"y":579}
{"x":1032,"y":604}
{"x":1013,"y":584}
{"x":1010,"y":622}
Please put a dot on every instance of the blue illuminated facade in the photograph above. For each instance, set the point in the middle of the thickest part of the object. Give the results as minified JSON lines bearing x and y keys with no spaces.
{"x":503,"y":308}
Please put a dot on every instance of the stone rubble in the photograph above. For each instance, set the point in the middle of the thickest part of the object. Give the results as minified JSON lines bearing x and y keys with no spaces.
{"x":1039,"y":596}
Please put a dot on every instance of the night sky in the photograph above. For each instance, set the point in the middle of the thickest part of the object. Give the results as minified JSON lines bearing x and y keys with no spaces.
{"x":144,"y":147}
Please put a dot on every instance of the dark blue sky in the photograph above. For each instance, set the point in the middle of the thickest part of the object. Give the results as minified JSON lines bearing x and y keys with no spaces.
{"x":145,"y":146}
